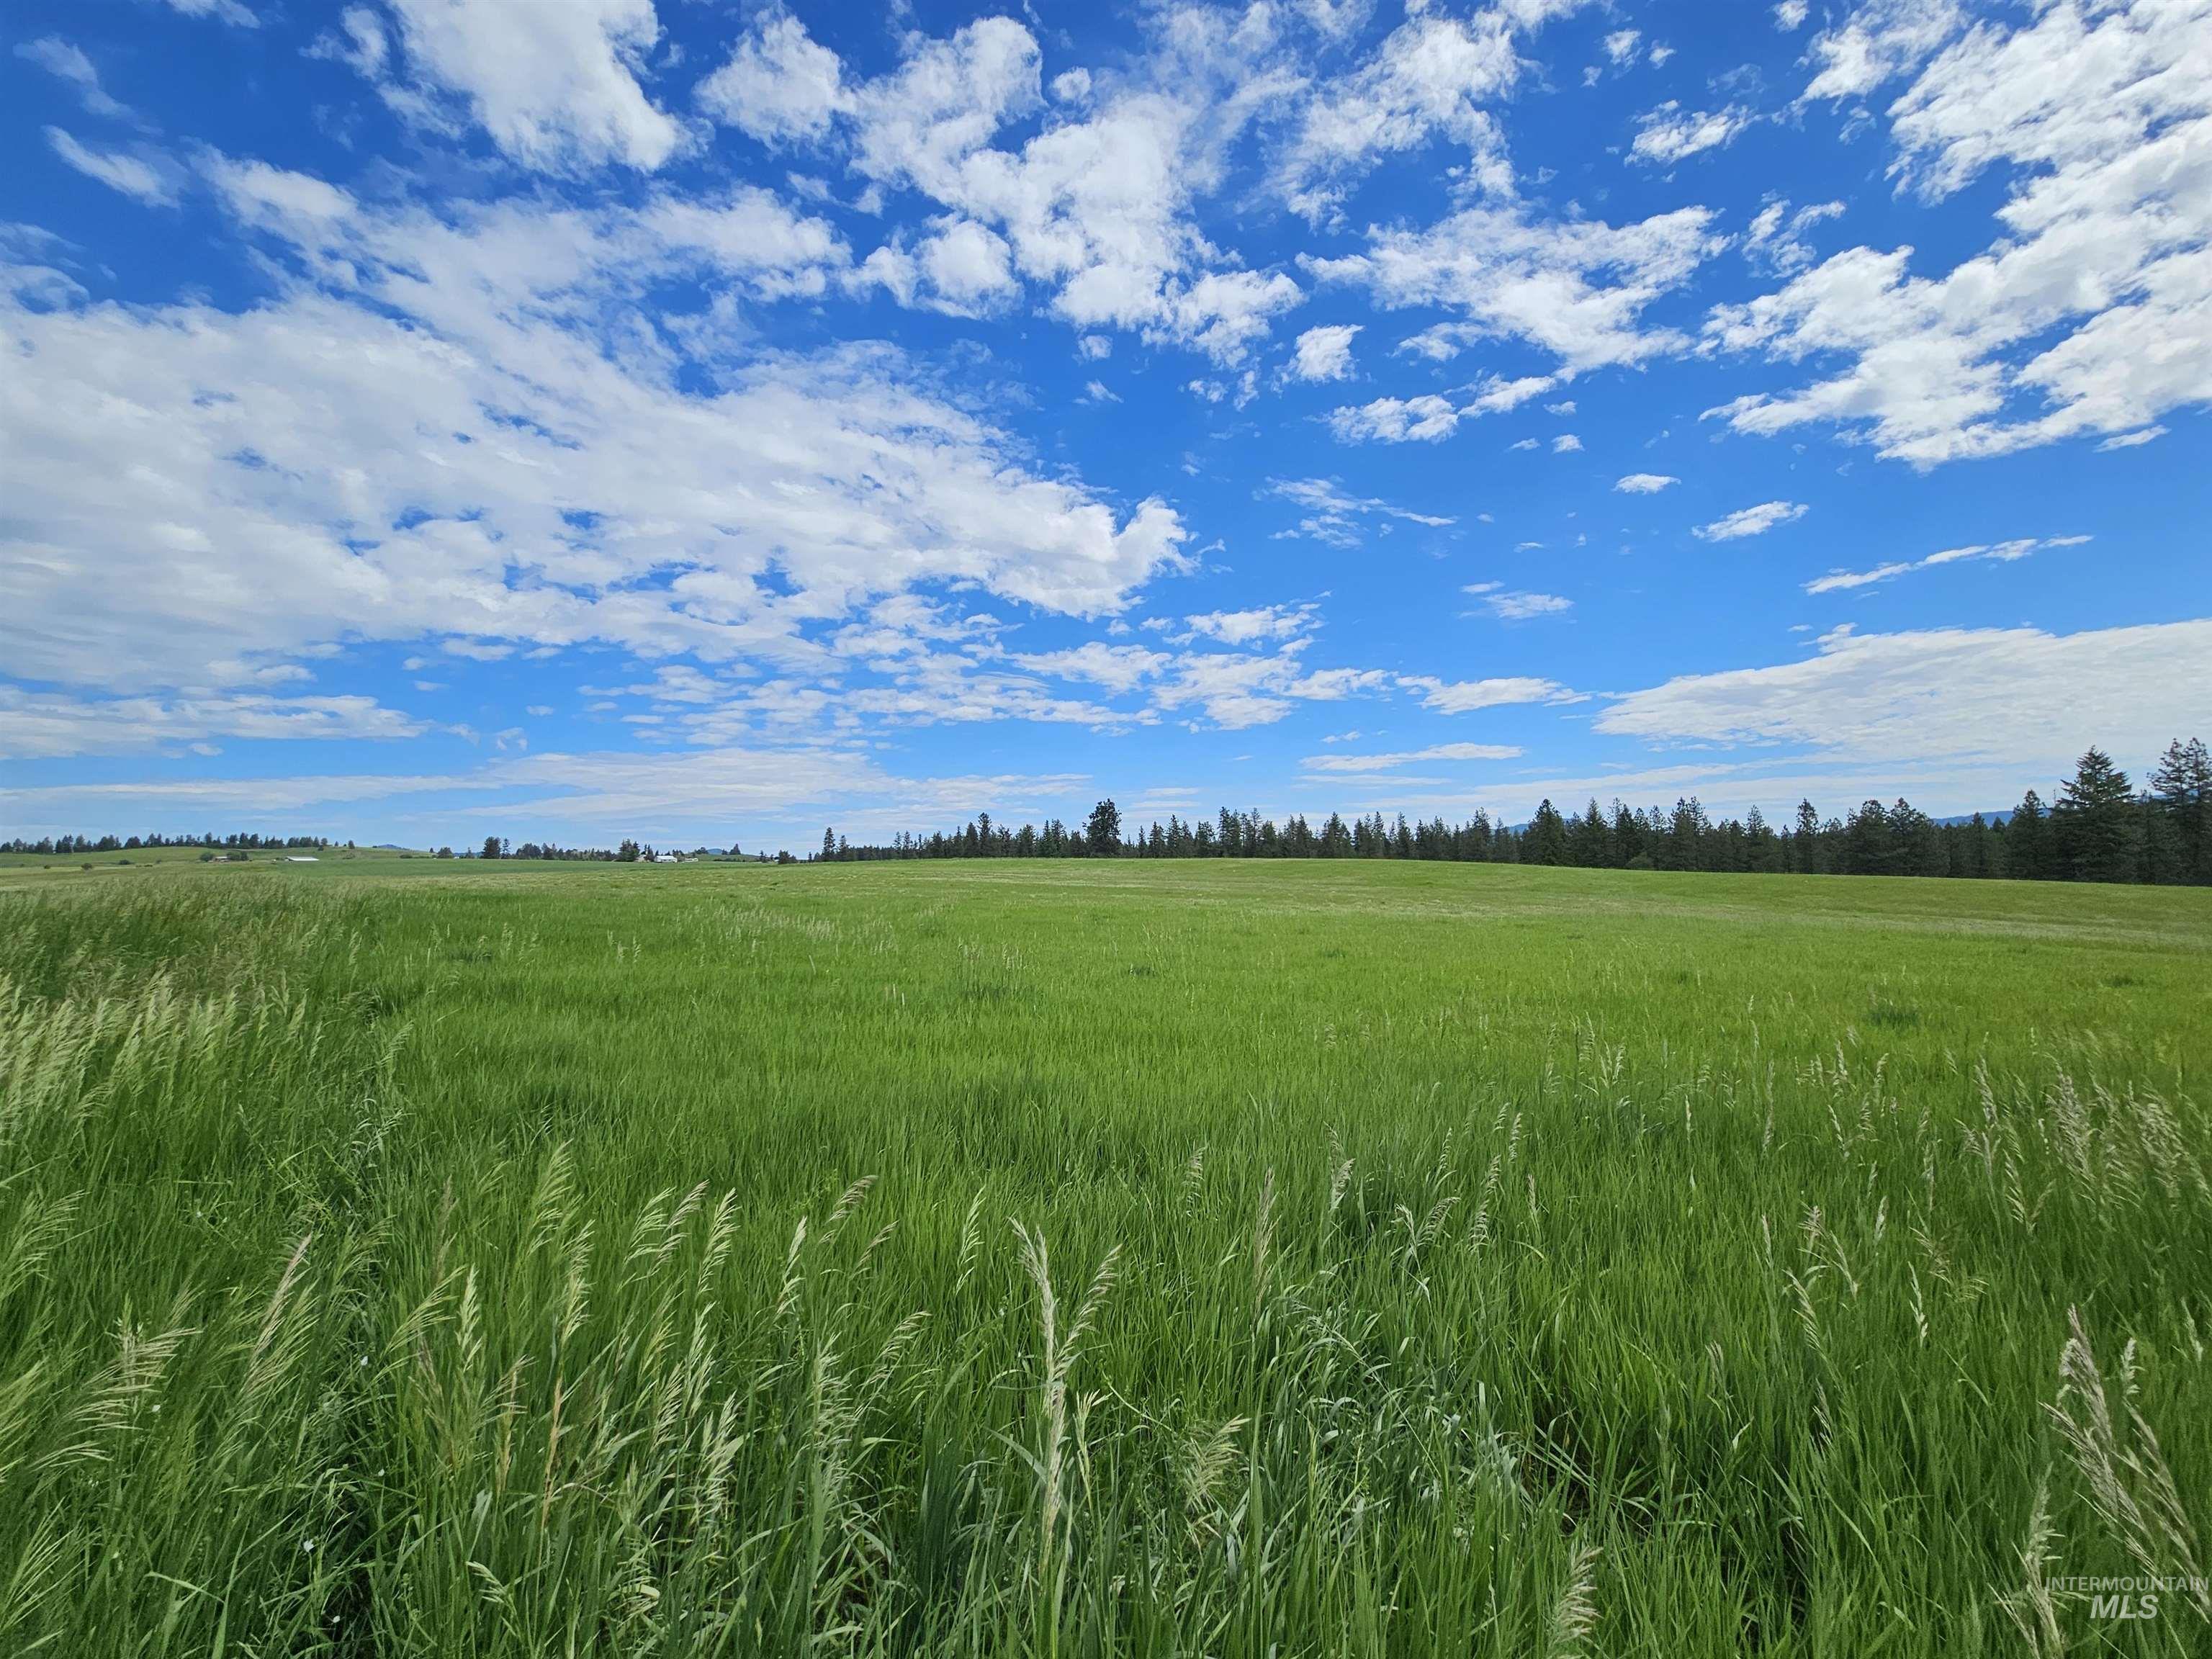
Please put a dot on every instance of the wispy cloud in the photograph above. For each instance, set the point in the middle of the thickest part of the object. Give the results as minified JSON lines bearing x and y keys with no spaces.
{"x":1514,"y":605}
{"x":1750,"y":521}
{"x":2000,"y":552}
{"x":1441,"y":751}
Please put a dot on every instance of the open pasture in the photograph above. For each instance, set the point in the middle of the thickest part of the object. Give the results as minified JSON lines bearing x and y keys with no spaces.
{"x":1098,"y":1258}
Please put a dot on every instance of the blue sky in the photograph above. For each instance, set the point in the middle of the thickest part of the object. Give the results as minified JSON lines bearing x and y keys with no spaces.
{"x":442,"y":418}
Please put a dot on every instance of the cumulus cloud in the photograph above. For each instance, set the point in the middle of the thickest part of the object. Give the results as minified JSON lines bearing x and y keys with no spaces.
{"x":1881,"y":40}
{"x":1670,"y":133}
{"x":431,"y":431}
{"x":1645,"y":483}
{"x":779,"y":83}
{"x":1098,"y":207}
{"x":1574,"y":289}
{"x":555,"y":87}
{"x":1776,"y":240}
{"x":1432,"y":76}
{"x":2086,"y":314}
{"x":1750,"y":521}
{"x":1425,"y":419}
{"x":1119,"y":668}
{"x":1252,"y":626}
{"x":1325,"y":354}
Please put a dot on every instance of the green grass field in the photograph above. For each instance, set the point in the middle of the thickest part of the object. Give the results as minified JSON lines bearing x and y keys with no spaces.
{"x":1088,"y":1259}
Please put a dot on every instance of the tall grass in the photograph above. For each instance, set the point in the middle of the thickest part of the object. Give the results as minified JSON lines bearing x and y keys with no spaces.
{"x":1281,"y":1263}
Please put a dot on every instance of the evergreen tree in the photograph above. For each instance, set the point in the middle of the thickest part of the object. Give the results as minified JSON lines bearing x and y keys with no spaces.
{"x":1102,"y":832}
{"x":2095,"y":823}
{"x":2029,"y":855}
{"x":1869,"y":848}
{"x":2183,"y":787}
{"x":1917,"y":845}
{"x":1805,"y":847}
{"x":1547,"y":840}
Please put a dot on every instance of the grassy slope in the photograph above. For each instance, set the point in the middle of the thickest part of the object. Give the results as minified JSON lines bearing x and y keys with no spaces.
{"x":1703,"y":1254}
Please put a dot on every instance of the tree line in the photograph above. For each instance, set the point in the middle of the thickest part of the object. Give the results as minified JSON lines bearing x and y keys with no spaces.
{"x":247,"y":840}
{"x":2099,"y":827}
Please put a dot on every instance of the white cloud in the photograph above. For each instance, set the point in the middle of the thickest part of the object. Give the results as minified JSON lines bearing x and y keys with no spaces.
{"x":1789,"y":15}
{"x":1334,"y":516}
{"x":2087,"y":314}
{"x":1097,"y":206}
{"x":1252,"y":627}
{"x":1670,"y":133}
{"x":1645,"y":483}
{"x":1397,"y":420}
{"x":67,"y":62}
{"x":1465,"y":697}
{"x":1325,"y":353}
{"x":226,"y":11}
{"x":1494,"y":396}
{"x":1119,"y":668}
{"x":1575,"y":290}
{"x":1431,"y":76}
{"x":134,"y":176}
{"x":2132,"y":440}
{"x":968,"y":265}
{"x":779,"y":84}
{"x":1237,"y":690}
{"x":1883,"y":38}
{"x":1441,"y":751}
{"x":1566,"y":444}
{"x":1512,"y":606}
{"x":474,"y":427}
{"x":1750,"y":521}
{"x":38,"y":725}
{"x":2000,"y":552}
{"x":2018,"y":702}
{"x":1776,"y":240}
{"x":1621,"y":45}
{"x":553,"y":86}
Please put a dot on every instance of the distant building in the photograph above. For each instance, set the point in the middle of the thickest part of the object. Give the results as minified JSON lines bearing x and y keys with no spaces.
{"x":301,"y":857}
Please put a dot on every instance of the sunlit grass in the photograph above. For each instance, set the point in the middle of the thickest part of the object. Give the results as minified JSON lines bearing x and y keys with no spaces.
{"x":1098,"y":1259}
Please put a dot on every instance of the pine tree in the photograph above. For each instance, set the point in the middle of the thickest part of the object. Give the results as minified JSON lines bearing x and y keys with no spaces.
{"x":2029,"y":855}
{"x":2183,"y":788}
{"x":1807,"y":849}
{"x":1102,"y":833}
{"x":2095,"y":823}
{"x":1547,"y":840}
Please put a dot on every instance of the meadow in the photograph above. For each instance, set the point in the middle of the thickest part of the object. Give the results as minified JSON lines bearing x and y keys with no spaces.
{"x":1097,"y":1258}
